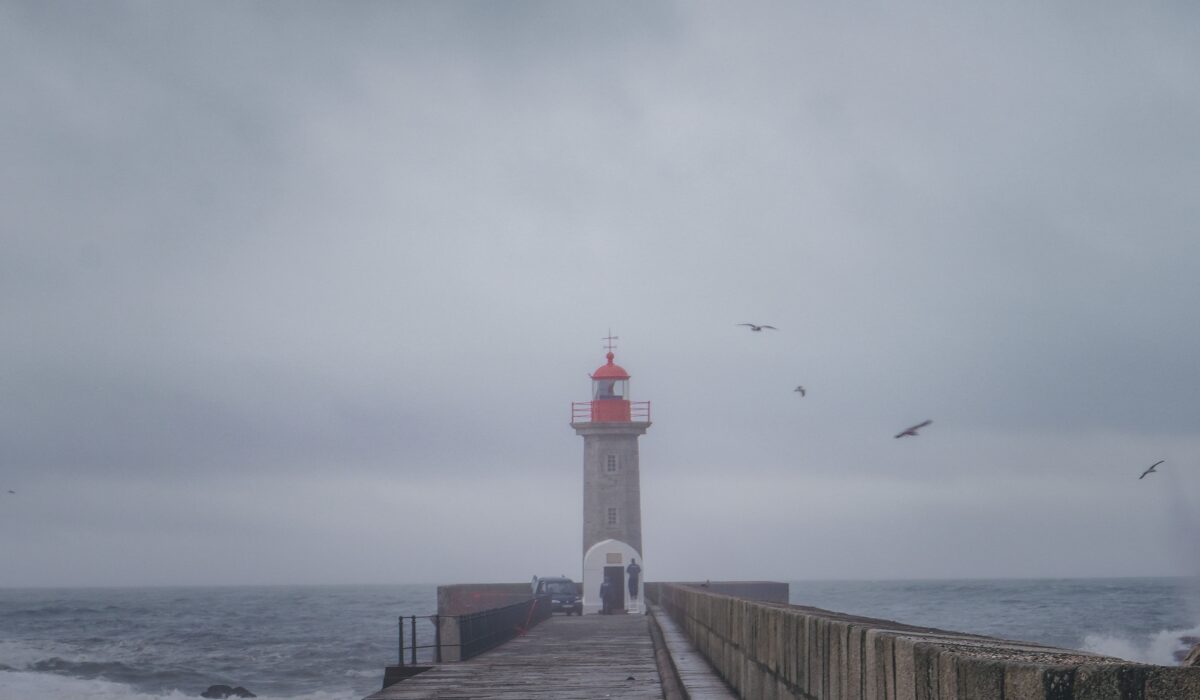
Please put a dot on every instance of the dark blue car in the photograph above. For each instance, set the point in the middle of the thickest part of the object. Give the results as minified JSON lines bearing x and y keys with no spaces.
{"x":563,"y":592}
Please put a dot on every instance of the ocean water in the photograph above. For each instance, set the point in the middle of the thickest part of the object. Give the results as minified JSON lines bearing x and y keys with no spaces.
{"x":1138,"y":619}
{"x":332,"y":643}
{"x":305,"y":643}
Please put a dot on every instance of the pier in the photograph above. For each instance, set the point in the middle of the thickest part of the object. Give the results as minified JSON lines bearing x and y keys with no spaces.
{"x":716,"y":641}
{"x":568,"y":658}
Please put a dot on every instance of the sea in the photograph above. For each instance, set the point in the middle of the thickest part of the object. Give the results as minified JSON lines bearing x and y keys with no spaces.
{"x":332,"y":642}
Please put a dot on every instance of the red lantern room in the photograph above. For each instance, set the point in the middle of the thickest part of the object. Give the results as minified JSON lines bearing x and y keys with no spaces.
{"x":610,"y":398}
{"x":610,"y":394}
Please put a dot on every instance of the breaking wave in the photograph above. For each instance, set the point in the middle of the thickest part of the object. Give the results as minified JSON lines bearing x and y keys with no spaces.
{"x":1164,"y":648}
{"x":22,"y":685}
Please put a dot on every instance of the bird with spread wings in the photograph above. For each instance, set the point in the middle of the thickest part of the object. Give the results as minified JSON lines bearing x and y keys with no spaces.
{"x":912,"y":431}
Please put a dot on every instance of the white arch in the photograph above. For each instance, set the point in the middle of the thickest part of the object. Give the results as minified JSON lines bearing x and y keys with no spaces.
{"x":610,"y":552}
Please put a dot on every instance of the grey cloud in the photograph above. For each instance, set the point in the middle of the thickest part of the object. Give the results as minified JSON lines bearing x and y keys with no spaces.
{"x":383,"y":242}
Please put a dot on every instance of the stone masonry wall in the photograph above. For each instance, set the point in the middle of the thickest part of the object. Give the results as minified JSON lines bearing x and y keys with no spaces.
{"x":466,"y":598}
{"x":775,"y":651}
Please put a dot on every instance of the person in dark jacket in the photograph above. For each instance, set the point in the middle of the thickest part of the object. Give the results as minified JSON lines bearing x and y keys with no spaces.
{"x":633,"y":570}
{"x":605,"y":597}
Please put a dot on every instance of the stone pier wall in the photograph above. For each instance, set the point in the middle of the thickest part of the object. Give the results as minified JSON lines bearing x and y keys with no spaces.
{"x":779,"y":651}
{"x":466,"y":598}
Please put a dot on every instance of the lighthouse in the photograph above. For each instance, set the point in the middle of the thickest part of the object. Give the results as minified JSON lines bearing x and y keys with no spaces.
{"x":610,"y":424}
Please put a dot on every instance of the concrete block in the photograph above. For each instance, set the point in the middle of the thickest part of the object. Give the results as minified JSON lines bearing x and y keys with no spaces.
{"x":855,"y":663}
{"x":1170,"y":682}
{"x":801,"y":650}
{"x":731,"y":671}
{"x":947,"y":664}
{"x":926,"y":673}
{"x":1059,"y":682}
{"x":903,"y":650}
{"x":739,"y":626}
{"x":1024,"y":682}
{"x":787,"y":633}
{"x":770,"y":642}
{"x":816,"y":659}
{"x":760,"y":626}
{"x":752,"y":678}
{"x":887,"y":651}
{"x":874,"y":687}
{"x":783,"y":691}
{"x":766,"y":638}
{"x":1097,"y":682}
{"x":451,"y":640}
{"x":836,"y":659}
{"x":777,"y":647}
{"x":766,"y":683}
{"x":980,"y":679}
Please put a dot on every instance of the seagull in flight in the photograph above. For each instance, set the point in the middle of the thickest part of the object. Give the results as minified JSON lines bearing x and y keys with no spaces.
{"x":801,"y":390}
{"x":1151,"y":470}
{"x":757,"y":328}
{"x":912,"y":431}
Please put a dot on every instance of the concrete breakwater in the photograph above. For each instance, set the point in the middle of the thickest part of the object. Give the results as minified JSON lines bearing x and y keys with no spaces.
{"x":774,"y":650}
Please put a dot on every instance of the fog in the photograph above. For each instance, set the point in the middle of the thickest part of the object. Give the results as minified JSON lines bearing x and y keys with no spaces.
{"x":302,"y":293}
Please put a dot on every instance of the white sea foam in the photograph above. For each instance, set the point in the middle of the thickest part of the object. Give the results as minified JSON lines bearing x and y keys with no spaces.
{"x":1158,"y":648}
{"x":18,"y":655}
{"x":22,"y":685}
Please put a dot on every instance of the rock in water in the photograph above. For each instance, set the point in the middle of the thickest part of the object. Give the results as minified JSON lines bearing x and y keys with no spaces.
{"x":1193,"y":658}
{"x":225,"y":691}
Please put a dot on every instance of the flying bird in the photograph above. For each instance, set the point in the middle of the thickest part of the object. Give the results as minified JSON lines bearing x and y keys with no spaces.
{"x":757,"y":328}
{"x":912,"y":432}
{"x":12,"y":492}
{"x":801,"y":390}
{"x":1151,"y":470}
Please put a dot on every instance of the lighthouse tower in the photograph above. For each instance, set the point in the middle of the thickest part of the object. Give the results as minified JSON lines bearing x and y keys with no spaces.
{"x":610,"y":425}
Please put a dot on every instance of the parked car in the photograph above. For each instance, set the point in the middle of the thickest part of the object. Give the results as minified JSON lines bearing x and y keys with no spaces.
{"x":563,"y":592}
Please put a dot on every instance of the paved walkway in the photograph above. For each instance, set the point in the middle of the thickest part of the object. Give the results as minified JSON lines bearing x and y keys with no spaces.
{"x":695,"y":673}
{"x":564,"y":658}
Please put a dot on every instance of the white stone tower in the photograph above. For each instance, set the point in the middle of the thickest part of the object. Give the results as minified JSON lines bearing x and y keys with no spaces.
{"x":610,"y":425}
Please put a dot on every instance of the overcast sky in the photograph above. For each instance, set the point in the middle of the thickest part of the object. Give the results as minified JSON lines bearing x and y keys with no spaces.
{"x":301,"y":293}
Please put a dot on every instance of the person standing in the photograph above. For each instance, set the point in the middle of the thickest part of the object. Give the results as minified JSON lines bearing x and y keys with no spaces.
{"x":605,"y":597}
{"x":633,"y":570}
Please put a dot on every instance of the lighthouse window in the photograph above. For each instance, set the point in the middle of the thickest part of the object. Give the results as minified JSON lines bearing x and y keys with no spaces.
{"x":610,"y":388}
{"x":610,"y":464}
{"x":612,"y":516}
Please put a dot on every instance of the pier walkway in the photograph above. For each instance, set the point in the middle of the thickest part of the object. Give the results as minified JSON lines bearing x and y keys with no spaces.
{"x":697,"y":677}
{"x":564,"y":658}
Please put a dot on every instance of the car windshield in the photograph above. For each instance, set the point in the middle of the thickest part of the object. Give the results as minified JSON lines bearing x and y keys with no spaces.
{"x":560,"y":587}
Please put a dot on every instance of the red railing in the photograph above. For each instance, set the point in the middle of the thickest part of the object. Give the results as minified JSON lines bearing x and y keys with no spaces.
{"x":581,"y":411}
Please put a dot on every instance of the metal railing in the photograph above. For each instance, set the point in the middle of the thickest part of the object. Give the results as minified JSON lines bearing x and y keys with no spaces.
{"x":477,"y":632}
{"x":485,"y":630}
{"x":581,"y":411}
{"x":414,"y":643}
